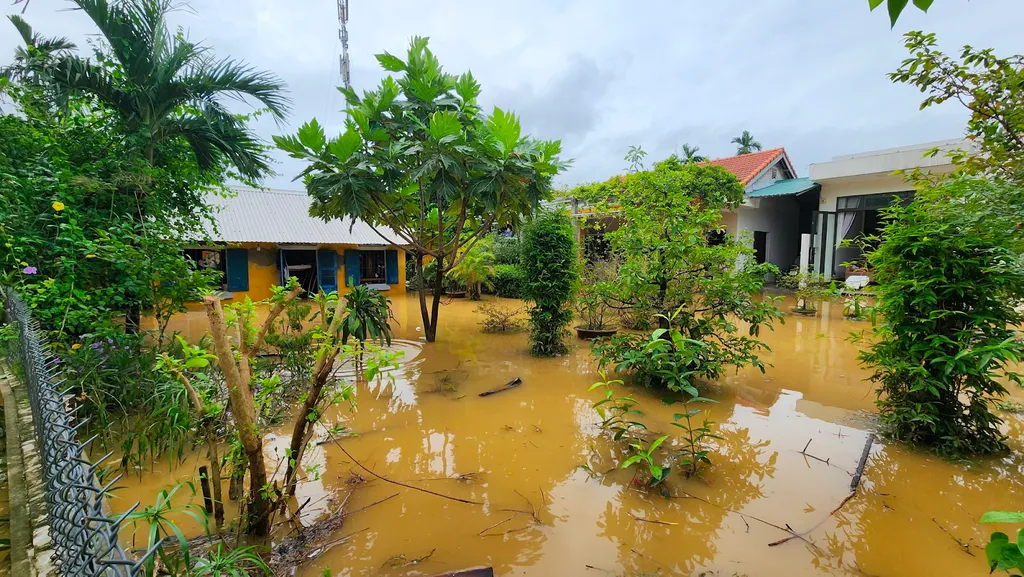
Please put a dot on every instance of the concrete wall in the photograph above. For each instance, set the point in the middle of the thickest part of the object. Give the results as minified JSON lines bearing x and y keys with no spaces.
{"x":780,"y":218}
{"x":854,"y":186}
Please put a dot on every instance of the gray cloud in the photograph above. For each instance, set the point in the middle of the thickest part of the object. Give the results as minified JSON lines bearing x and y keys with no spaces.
{"x":603,"y":75}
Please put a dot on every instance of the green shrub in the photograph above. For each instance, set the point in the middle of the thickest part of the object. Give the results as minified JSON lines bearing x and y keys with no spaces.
{"x":506,"y":249}
{"x":551,"y":265}
{"x":949,"y":285}
{"x":508,"y":281}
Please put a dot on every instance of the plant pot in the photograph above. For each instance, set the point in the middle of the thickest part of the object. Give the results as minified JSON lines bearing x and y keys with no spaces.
{"x":591,"y":334}
{"x":805,"y":312}
{"x":456,"y":294}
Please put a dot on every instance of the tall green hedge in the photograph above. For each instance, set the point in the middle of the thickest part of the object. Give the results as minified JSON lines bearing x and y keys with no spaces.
{"x":551,"y":266}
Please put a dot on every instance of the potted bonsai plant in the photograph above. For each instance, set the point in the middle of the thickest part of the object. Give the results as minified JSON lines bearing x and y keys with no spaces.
{"x":809,"y":289}
{"x":591,"y":303}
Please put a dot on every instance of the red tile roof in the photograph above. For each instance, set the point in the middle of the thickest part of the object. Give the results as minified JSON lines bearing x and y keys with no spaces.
{"x":747,"y":166}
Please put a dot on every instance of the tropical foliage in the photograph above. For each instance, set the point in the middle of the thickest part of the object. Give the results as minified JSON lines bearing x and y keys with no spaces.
{"x":950,"y":294}
{"x":551,"y":267}
{"x":992,"y":90}
{"x":419,"y":160}
{"x":672,"y":271}
{"x":745,"y":143}
{"x":475,"y":269}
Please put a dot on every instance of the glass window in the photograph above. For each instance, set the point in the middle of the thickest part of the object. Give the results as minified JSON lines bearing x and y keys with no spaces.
{"x":372,"y":268}
{"x":205,"y":258}
{"x":872,"y":201}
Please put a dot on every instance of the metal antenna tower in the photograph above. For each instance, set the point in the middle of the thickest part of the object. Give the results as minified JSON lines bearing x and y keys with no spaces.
{"x":343,"y":60}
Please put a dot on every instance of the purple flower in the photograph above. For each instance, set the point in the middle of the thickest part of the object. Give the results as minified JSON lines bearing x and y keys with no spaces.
{"x":30,"y":270}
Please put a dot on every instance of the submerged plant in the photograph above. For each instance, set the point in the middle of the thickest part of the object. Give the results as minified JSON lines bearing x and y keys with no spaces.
{"x":854,"y":308}
{"x":551,"y":267}
{"x":498,"y":319}
{"x":159,"y":524}
{"x":809,"y":289}
{"x":948,"y":302}
{"x":695,"y":443}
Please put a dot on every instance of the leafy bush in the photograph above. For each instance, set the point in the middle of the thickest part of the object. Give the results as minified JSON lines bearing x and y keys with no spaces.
{"x":671,"y":271}
{"x":506,"y":249}
{"x":591,"y":304}
{"x":950,"y":288}
{"x":551,"y":266}
{"x":501,"y":319}
{"x":508,"y":281}
{"x":366,"y":314}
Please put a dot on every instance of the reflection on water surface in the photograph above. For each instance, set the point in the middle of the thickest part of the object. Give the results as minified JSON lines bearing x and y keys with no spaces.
{"x":521,"y":451}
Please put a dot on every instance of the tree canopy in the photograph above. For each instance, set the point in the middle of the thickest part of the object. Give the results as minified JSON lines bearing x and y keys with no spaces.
{"x":422,"y":164}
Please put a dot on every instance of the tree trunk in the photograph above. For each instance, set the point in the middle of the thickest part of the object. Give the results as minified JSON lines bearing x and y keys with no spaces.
{"x":431,"y":323}
{"x":258,"y":511}
{"x":424,"y":313}
{"x":244,"y":412}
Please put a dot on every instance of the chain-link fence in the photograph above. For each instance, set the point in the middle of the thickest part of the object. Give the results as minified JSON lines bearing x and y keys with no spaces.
{"x":84,"y":535}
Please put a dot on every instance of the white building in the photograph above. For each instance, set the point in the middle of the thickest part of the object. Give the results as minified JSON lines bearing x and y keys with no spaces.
{"x":855,"y":187}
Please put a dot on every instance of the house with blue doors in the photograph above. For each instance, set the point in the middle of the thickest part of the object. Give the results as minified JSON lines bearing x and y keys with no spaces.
{"x":261,"y":238}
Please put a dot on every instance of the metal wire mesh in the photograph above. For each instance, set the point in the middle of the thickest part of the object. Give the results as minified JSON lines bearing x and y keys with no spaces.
{"x":84,"y":536}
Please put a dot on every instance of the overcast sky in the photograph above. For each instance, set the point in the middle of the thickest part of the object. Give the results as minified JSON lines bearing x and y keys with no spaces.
{"x":809,"y":75}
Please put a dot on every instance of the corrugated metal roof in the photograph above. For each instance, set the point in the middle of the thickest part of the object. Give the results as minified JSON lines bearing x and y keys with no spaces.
{"x":282,"y":216}
{"x":785,"y":187}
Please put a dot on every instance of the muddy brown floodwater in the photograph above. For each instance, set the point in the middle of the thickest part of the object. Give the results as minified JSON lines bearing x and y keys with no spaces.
{"x":524,"y":449}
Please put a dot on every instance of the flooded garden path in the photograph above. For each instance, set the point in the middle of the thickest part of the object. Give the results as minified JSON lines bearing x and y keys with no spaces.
{"x":552,"y":504}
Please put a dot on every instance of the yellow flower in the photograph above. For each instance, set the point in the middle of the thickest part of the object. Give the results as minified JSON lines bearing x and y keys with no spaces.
{"x":58,"y":205}
{"x":76,"y":346}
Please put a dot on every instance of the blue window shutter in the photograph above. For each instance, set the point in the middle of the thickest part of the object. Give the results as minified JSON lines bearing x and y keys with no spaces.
{"x":238,"y":269}
{"x":282,"y":269}
{"x":327,"y":262}
{"x":391,"y":266}
{"x":351,"y":267}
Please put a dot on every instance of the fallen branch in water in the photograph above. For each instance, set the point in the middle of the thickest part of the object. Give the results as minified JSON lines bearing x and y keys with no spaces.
{"x":802,"y":535}
{"x":400,"y":484}
{"x":655,"y":521}
{"x":496,"y":525}
{"x":509,"y":385}
{"x":744,"y":516}
{"x":806,"y":454}
{"x":965,"y":547}
{"x":348,"y":513}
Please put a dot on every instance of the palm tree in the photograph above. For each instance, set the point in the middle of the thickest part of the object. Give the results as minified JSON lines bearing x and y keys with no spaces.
{"x":37,"y":54}
{"x":164,"y":86}
{"x":745,"y":143}
{"x":475,"y":270}
{"x":690,"y":153}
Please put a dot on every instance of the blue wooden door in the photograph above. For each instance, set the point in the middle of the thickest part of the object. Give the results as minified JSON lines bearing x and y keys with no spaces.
{"x":351,"y":268}
{"x":237,"y":269}
{"x":327,"y":269}
{"x":391,"y":266}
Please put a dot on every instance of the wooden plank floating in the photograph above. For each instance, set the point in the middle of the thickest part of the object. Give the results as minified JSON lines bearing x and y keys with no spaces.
{"x":509,"y":385}
{"x":863,"y":461}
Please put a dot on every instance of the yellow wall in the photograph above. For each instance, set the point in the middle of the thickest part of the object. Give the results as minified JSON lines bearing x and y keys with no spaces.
{"x":263,"y":272}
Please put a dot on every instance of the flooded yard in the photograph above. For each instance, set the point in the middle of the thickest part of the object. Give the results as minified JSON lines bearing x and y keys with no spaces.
{"x":551,"y":503}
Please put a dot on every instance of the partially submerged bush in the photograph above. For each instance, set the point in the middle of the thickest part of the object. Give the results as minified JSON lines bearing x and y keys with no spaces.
{"x":551,"y":267}
{"x":809,"y":289}
{"x":949,"y":296}
{"x":593,"y":310}
{"x":499,"y":319}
